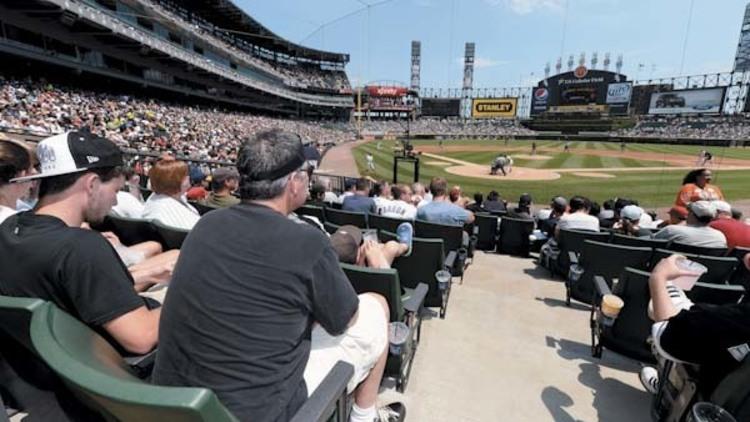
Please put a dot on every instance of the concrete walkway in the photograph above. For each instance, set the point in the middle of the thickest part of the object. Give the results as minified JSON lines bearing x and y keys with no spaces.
{"x":339,"y":160}
{"x":510,"y":350}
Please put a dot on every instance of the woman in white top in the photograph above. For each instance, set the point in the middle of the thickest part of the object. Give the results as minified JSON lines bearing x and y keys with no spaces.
{"x":129,"y":199}
{"x":168,"y":204}
{"x":16,"y":160}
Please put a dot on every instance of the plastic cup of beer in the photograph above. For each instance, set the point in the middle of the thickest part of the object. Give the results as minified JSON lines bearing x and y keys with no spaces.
{"x":444,"y":279}
{"x":709,"y":412}
{"x":398,"y":333}
{"x":686,"y":282}
{"x":611,"y":306}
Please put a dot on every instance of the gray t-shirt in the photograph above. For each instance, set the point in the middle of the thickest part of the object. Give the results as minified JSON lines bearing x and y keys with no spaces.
{"x":703,"y":236}
{"x":444,"y":213}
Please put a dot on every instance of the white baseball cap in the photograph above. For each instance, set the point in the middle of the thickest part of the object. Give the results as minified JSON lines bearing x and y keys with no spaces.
{"x":73,"y":152}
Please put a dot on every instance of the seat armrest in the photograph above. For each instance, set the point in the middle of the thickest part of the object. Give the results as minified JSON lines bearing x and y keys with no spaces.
{"x":416,"y":300}
{"x":601,"y":286}
{"x":322,"y":403}
{"x":573,"y":257}
{"x":450,"y":260}
{"x":143,"y":365}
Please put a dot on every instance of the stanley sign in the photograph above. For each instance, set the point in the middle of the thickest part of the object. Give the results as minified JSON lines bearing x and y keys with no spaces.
{"x":493,"y":107}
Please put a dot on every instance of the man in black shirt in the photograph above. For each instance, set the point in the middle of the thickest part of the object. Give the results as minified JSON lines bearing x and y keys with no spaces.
{"x":258,"y":308}
{"x":715,"y":337}
{"x":47,"y":255}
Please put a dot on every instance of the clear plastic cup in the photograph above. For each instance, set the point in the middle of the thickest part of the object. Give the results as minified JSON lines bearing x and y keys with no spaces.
{"x":444,"y":279}
{"x":687,"y":282}
{"x":576,"y":271}
{"x":398,"y":333}
{"x":709,"y":412}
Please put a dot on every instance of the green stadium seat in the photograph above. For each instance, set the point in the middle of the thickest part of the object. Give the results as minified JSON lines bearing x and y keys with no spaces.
{"x":342,"y":218}
{"x":133,"y":230}
{"x":171,"y":237}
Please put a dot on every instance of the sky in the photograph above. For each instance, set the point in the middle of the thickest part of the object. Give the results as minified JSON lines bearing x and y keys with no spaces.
{"x":514,"y":39}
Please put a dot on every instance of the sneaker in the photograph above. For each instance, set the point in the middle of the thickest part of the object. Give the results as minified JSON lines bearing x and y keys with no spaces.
{"x":405,"y":233}
{"x":650,"y":379}
{"x":394,"y":412}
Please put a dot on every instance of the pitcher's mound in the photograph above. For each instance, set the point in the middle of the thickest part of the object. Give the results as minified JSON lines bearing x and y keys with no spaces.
{"x":518,"y":173}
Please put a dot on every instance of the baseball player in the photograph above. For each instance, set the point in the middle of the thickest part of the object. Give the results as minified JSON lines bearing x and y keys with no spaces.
{"x":502,"y":162}
{"x":370,"y":162}
{"x":533,"y":148}
{"x":566,"y":147}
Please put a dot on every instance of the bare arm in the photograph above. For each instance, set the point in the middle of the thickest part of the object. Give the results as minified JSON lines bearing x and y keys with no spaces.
{"x":664,"y":271}
{"x":136,"y":331}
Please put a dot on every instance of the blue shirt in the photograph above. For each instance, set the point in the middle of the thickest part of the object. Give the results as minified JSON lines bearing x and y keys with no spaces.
{"x":359,"y":203}
{"x":444,"y":213}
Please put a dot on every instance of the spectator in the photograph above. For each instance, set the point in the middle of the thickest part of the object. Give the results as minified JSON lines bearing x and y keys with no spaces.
{"x":329,"y":196}
{"x":558,"y":206}
{"x":677,"y":216}
{"x":476,"y":206}
{"x":15,"y":161}
{"x":696,"y":232}
{"x":47,"y":255}
{"x":607,"y":214}
{"x":197,"y":191}
{"x":360,"y":201}
{"x":523,"y":210}
{"x":224,"y":182}
{"x":494,"y":203}
{"x":419,"y":195}
{"x":169,"y":181}
{"x":714,"y":337}
{"x":350,"y":186}
{"x":629,"y":224}
{"x":736,"y":232}
{"x":381,"y":194}
{"x":440,"y":209}
{"x":129,"y":199}
{"x":578,"y":218}
{"x":400,"y":206}
{"x":263,"y":362}
{"x":351,"y":248}
{"x":696,"y":186}
{"x":317,"y":195}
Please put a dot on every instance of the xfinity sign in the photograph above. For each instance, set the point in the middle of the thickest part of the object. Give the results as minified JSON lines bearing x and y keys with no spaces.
{"x":619,"y":92}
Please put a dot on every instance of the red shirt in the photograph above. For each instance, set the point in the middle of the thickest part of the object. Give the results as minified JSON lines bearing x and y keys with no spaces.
{"x":196,"y":193}
{"x":736,"y":232}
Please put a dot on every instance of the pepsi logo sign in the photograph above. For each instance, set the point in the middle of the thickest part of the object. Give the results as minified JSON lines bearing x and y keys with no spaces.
{"x":541,"y":94}
{"x":580,"y":72}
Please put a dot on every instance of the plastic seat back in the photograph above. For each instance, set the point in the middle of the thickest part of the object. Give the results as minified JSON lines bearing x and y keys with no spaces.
{"x":133,"y":230}
{"x":606,"y":260}
{"x":697,"y":250}
{"x":630,"y":331}
{"x":427,"y":257}
{"x":342,"y":218}
{"x":621,"y":239}
{"x":720,"y":269}
{"x":487,"y":236}
{"x":572,"y":241}
{"x":514,"y":236}
{"x":452,"y":235}
{"x":171,"y":237}
{"x":94,"y":370}
{"x":384,"y":282}
{"x":388,"y":224}
{"x":202,"y":209}
{"x":312,"y":211}
{"x":716,"y":294}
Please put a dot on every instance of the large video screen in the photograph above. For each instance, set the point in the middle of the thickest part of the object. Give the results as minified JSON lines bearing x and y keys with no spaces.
{"x":688,"y":101}
{"x":441,"y":107}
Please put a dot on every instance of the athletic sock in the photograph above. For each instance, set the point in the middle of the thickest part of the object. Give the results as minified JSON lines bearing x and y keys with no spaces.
{"x":363,"y":415}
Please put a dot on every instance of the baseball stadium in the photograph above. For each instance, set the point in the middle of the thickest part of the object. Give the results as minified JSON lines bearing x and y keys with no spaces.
{"x":353,"y":211}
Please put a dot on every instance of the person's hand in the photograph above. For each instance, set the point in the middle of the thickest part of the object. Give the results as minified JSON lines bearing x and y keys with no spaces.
{"x":667,"y":269}
{"x":112,"y":238}
{"x":370,"y":249}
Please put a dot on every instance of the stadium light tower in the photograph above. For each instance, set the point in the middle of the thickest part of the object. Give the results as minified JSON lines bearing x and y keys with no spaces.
{"x":558,"y":65}
{"x":742,"y":58}
{"x":606,"y":61}
{"x":618,"y":63}
{"x":416,"y":64}
{"x":469,"y":55}
{"x":546,"y":70}
{"x":571,"y":62}
{"x":594,"y":60}
{"x":582,"y":59}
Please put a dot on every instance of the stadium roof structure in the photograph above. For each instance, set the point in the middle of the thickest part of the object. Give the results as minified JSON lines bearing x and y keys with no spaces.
{"x":227,"y":15}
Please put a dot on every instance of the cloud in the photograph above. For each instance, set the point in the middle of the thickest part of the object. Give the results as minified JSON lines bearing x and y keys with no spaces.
{"x":524,"y":7}
{"x":482,"y":62}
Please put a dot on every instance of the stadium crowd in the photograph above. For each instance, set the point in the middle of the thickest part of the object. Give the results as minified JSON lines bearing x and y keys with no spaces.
{"x":447,"y":127}
{"x":296,"y":75}
{"x":144,"y":125}
{"x":735,"y":127}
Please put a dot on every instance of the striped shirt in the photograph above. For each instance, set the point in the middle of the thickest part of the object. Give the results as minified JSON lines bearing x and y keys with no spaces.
{"x":171,"y":212}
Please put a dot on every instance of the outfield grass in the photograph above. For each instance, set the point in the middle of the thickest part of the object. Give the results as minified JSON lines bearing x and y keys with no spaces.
{"x":652,"y":188}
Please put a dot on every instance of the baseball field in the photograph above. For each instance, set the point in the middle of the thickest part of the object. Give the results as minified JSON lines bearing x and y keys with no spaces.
{"x":650,"y":173}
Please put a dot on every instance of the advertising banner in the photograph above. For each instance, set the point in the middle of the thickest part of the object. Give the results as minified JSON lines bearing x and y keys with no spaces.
{"x":687,"y":101}
{"x":493,"y":107}
{"x":619,"y":92}
{"x":387,"y":91}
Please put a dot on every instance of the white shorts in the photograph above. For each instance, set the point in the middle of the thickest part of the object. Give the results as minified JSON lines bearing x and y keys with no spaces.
{"x":361,"y":345}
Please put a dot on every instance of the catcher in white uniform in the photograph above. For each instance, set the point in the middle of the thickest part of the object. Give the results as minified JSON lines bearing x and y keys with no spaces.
{"x":502,"y":162}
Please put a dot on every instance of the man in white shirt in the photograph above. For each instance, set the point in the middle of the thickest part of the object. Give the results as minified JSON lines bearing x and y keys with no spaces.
{"x":400,"y":206}
{"x":578,"y":218}
{"x":696,"y":232}
{"x":381,"y":194}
